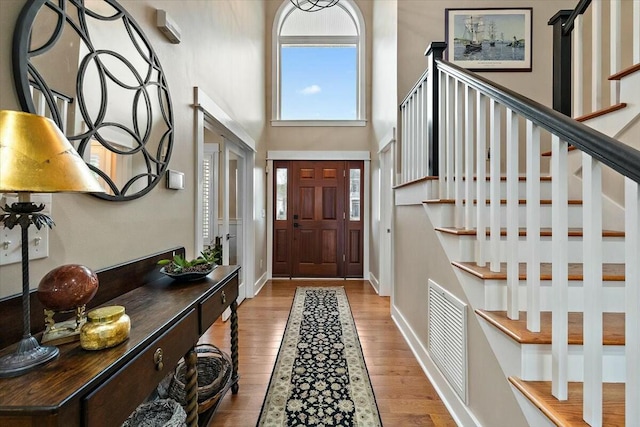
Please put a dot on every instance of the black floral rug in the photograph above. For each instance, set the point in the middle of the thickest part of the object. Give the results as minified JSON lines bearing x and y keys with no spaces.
{"x":320,"y":378}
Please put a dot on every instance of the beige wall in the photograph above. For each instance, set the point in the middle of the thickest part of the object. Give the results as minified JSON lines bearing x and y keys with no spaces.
{"x":222,"y":52}
{"x":385,"y":70}
{"x":420,"y":23}
{"x":419,"y":258}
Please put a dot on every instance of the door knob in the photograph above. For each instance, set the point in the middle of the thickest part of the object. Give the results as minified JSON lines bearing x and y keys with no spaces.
{"x":296,"y":225}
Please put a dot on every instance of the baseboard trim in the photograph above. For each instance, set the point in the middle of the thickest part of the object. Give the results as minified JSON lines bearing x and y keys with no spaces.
{"x":460,"y":412}
{"x":375,"y":284}
{"x":262,"y":280}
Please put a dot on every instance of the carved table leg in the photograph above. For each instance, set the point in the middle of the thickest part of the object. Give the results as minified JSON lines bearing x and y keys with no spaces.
{"x":234,"y":347}
{"x":191,"y":387}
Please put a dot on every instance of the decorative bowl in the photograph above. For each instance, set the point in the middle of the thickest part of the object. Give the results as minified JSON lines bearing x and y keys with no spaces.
{"x":188,"y":275}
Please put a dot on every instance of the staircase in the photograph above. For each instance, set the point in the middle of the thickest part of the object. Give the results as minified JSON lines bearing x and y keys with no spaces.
{"x":547,"y":253}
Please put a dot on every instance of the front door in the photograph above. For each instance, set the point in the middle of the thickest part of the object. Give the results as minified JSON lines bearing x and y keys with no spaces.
{"x":318,"y":228}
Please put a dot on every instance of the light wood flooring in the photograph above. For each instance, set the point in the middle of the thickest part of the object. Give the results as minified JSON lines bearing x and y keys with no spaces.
{"x":404,"y":395}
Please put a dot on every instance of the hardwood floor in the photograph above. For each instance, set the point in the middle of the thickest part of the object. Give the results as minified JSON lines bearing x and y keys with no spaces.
{"x":404,"y":395}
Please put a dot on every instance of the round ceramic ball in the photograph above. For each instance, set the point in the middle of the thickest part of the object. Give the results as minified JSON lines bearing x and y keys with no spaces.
{"x":67,"y":287}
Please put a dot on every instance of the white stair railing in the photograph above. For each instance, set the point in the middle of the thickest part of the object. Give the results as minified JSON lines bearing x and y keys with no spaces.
{"x":590,"y":46}
{"x":470,"y":113}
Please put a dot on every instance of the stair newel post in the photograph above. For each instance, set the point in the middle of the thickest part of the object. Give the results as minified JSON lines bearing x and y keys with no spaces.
{"x":481,"y":182}
{"x":494,"y":184}
{"x":513,"y":274}
{"x":533,"y":226}
{"x":561,"y":63}
{"x":592,"y":284}
{"x":632,"y":293}
{"x":560,"y":269}
{"x":434,"y":53}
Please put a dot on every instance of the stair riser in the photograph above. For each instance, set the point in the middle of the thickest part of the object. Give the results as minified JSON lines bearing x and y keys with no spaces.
{"x":532,"y":362}
{"x":545,"y":190}
{"x":536,"y":363}
{"x":464,"y":249}
{"x":443,"y":215}
{"x":492,"y":294}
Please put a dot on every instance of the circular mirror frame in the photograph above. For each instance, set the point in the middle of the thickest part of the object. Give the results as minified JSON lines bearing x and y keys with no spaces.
{"x":22,"y":67}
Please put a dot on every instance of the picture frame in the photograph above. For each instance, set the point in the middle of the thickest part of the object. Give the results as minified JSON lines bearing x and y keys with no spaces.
{"x":489,"y":39}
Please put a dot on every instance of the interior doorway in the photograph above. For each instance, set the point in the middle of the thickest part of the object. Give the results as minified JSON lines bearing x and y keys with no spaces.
{"x":225,"y":164}
{"x":318,"y":221}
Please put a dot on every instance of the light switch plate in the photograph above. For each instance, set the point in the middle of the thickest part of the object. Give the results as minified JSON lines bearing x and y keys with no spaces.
{"x":10,"y":240}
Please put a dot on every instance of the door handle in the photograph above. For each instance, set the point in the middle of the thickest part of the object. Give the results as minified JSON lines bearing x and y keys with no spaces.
{"x":230,"y":236}
{"x":296,"y":225}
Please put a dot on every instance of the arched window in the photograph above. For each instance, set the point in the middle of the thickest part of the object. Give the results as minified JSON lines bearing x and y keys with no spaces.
{"x":318,"y":66}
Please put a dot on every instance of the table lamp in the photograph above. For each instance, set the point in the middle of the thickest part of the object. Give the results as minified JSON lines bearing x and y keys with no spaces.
{"x":35,"y":157}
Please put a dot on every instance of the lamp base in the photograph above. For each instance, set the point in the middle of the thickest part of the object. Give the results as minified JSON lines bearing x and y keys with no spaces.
{"x":27,"y":357}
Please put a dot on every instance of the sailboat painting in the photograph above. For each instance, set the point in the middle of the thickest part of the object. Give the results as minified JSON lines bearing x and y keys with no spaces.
{"x":491,"y":39}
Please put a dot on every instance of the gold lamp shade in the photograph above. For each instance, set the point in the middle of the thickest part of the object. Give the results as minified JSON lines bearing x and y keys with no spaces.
{"x":36,"y":157}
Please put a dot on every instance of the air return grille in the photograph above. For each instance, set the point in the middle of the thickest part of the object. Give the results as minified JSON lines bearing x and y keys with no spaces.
{"x":447,"y":340}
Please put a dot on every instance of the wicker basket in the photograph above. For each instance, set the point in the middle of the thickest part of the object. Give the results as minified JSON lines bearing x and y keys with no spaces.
{"x":157,"y":413}
{"x":214,"y":373}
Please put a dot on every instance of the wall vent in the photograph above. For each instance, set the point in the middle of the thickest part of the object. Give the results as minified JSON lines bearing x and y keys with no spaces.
{"x":447,"y":338}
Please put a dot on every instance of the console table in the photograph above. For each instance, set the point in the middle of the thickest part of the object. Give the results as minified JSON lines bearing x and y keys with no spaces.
{"x":101,"y":388}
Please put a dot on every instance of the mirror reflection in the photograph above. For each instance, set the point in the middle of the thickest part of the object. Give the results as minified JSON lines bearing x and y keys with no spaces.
{"x":89,"y":67}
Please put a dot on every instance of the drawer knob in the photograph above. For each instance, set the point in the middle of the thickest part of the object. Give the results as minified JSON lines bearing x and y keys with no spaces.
{"x":157,"y":359}
{"x":223,"y":297}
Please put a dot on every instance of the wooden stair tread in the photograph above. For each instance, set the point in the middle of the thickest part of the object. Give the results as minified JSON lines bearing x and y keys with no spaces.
{"x":623,"y":73}
{"x":416,"y":181}
{"x":548,"y":153}
{"x":502,"y":201}
{"x":601,"y":112}
{"x":610,"y":272}
{"x":590,"y":116}
{"x":569,"y":412}
{"x":545,"y":231}
{"x":612,"y":327}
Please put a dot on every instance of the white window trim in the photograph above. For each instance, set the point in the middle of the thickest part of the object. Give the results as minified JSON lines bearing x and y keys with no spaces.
{"x":283,"y":11}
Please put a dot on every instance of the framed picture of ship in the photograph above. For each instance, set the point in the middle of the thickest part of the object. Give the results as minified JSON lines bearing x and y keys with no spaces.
{"x":489,"y":39}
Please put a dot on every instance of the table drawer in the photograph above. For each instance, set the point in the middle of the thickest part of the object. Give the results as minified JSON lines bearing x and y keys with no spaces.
{"x":112,"y":402}
{"x":213,"y":306}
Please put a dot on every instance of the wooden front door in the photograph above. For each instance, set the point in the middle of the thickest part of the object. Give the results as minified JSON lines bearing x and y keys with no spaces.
{"x":317,"y":222}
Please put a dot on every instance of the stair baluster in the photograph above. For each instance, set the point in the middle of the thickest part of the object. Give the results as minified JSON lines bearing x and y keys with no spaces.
{"x":632,"y":292}
{"x":481,"y":183}
{"x":592,"y":283}
{"x":533,"y":227}
{"x":560,"y":273}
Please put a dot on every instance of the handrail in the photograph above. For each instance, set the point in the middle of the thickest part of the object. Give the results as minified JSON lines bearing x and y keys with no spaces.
{"x":618,"y":156}
{"x":579,"y":10}
{"x":415,"y":87}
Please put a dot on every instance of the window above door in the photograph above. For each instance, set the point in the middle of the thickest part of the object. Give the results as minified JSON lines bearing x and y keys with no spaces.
{"x":318,"y":66}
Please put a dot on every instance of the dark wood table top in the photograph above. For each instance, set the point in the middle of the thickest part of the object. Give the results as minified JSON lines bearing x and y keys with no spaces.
{"x":153,"y":308}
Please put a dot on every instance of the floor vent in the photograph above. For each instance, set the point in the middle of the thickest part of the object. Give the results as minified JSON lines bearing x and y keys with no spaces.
{"x":447,"y":339}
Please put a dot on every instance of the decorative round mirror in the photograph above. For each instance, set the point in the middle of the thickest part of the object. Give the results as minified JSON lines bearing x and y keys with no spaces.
{"x":87,"y":65}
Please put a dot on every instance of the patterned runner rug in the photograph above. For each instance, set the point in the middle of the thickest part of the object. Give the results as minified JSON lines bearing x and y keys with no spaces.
{"x":320,"y":378}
